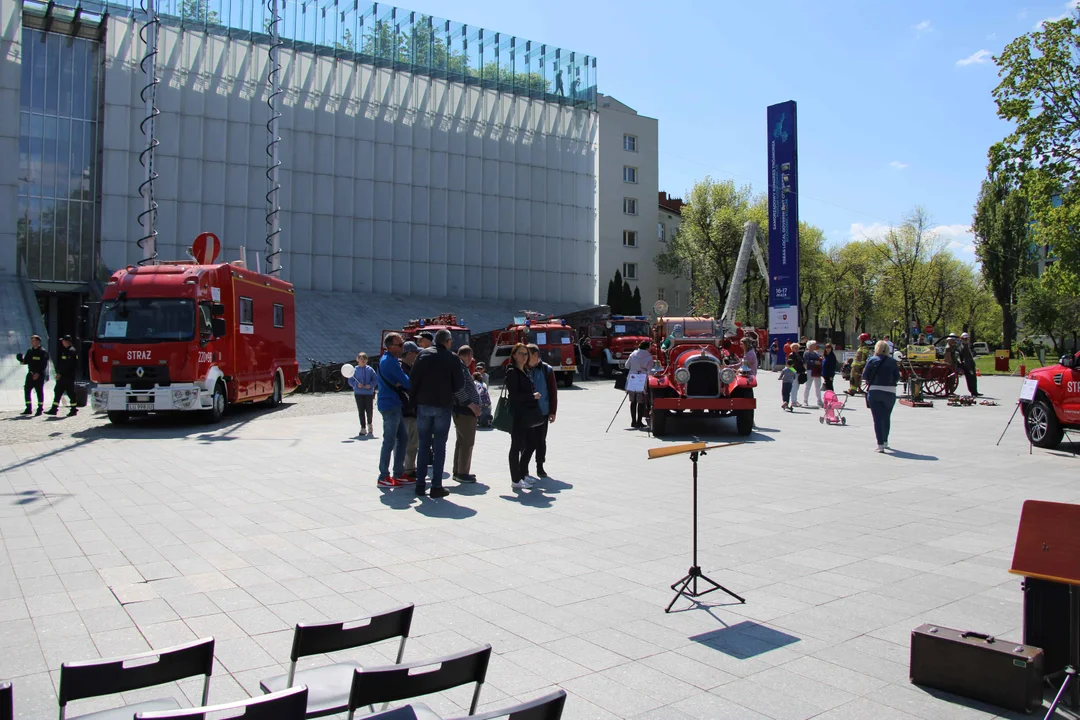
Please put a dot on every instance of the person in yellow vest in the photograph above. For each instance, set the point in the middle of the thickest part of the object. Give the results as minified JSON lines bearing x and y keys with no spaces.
{"x":862,"y":354}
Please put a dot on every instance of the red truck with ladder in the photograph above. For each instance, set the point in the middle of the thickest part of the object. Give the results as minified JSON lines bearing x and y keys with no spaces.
{"x":552,"y":335}
{"x":611,"y":340}
{"x":191,"y":336}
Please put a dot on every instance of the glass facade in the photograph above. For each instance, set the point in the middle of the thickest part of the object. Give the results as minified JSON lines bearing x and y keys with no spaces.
{"x":390,"y":36}
{"x":58,"y":213}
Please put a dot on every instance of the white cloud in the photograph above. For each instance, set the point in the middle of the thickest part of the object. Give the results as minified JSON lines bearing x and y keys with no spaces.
{"x":992,"y":36}
{"x":1022,"y":14}
{"x":1070,"y":6}
{"x":898,"y":165}
{"x":957,"y":237}
{"x":924,"y":26}
{"x":872,"y":231}
{"x":953,"y":232}
{"x":978,"y":57}
{"x":969,"y":249}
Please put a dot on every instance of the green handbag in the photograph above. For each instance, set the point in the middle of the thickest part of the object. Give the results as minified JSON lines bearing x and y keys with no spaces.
{"x":504,"y":414}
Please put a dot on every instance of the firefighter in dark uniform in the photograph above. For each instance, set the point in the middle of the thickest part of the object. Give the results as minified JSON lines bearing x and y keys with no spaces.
{"x":67,"y":364}
{"x":36,"y":360}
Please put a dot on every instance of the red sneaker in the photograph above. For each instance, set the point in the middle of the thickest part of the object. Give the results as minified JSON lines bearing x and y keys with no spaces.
{"x":405,"y":480}
{"x":388,"y":482}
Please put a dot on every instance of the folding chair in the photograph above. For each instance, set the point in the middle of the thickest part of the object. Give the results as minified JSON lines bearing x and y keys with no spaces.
{"x":286,"y":705}
{"x":422,"y":677}
{"x":7,"y":702}
{"x":547,"y":707}
{"x":94,"y":678}
{"x":328,"y":686}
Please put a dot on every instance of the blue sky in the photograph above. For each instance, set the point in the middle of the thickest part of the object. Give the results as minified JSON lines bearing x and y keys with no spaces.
{"x":894,"y":97}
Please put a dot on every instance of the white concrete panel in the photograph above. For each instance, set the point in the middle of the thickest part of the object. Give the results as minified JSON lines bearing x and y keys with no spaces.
{"x":302,"y":187}
{"x":381,"y":281}
{"x":439,"y":169}
{"x":474,"y":180}
{"x":300,"y":233}
{"x":437,"y":243}
{"x":474,"y":210}
{"x":420,"y":244}
{"x":383,"y":240}
{"x":384,"y":161}
{"x":384,"y":198}
{"x":455,"y":246}
{"x":365,"y":159}
{"x":322,"y":239}
{"x":364,"y":203}
{"x":400,"y":248}
{"x":213,"y":182}
{"x":344,"y":192}
{"x":325,"y":161}
{"x":420,"y":204}
{"x":324,"y":193}
{"x":363,"y":242}
{"x":403,"y":211}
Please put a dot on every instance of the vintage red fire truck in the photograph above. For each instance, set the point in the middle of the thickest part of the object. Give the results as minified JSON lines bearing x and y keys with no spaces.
{"x":1055,"y":407}
{"x":189,"y":337}
{"x":611,"y":340}
{"x":700,"y":374}
{"x":552,"y":335}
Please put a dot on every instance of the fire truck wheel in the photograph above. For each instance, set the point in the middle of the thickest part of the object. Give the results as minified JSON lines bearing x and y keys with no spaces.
{"x":117,"y":417}
{"x":275,"y":399}
{"x":659,"y":420}
{"x":568,"y":379}
{"x":217,"y":404}
{"x":744,"y":422}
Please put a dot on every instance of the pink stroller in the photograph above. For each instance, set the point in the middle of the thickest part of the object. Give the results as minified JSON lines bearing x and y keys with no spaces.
{"x":834,"y":409}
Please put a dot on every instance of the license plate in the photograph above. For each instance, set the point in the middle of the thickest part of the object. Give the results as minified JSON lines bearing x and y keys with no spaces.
{"x":140,"y":407}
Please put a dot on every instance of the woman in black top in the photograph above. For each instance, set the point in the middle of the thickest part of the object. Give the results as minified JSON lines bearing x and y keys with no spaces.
{"x":800,"y":368}
{"x":524,"y":407}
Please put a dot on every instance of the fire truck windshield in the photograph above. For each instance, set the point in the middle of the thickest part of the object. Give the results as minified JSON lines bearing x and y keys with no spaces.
{"x":146,"y":320}
{"x":557,"y":336}
{"x":637,"y":328}
{"x":458,"y":338}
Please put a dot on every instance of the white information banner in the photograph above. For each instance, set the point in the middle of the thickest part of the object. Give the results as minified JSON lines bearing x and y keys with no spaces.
{"x":1027,"y":392}
{"x":635,"y":382}
{"x":783,"y":320}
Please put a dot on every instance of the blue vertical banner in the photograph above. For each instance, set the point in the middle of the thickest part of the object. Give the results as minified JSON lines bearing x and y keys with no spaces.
{"x":783,"y":224}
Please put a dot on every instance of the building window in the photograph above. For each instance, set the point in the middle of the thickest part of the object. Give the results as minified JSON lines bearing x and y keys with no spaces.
{"x":660,"y":294}
{"x":660,"y":232}
{"x":247,"y":311}
{"x":57,"y":216}
{"x":629,"y":143}
{"x":629,"y":206}
{"x":279,"y":315}
{"x":629,"y":238}
{"x":629,"y":271}
{"x":629,"y":174}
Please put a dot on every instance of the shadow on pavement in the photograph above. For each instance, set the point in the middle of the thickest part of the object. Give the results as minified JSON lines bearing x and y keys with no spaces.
{"x":745,"y":640}
{"x":904,"y":455}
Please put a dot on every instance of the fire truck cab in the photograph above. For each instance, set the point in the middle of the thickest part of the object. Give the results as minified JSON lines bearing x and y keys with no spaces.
{"x":459,"y":333}
{"x":1055,"y":407}
{"x":552,"y":335}
{"x":185,"y":337}
{"x":612,"y":340}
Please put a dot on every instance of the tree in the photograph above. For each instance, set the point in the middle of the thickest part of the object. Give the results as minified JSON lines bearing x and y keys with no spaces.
{"x":709,"y":238}
{"x":198,"y":11}
{"x":348,"y":43}
{"x":614,"y":294}
{"x":905,"y":249}
{"x":812,"y":259}
{"x":1003,"y":244}
{"x":626,"y":299}
{"x":635,"y":309}
{"x":1050,"y":306}
{"x":1039,"y":92}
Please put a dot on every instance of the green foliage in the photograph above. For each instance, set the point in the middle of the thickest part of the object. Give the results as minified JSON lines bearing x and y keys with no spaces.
{"x":1004,"y":244}
{"x":709,"y":238}
{"x":626,"y":299}
{"x":1039,"y":93}
{"x":1050,"y":306}
{"x":812,"y":274}
{"x":635,"y":308}
{"x":198,"y":11}
{"x":615,"y":294}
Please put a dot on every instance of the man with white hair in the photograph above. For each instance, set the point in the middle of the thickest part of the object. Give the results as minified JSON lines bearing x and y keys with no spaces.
{"x":435,"y":379}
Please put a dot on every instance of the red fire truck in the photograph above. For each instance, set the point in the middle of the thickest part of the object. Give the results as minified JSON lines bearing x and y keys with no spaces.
{"x":612,"y":340}
{"x":183,"y":336}
{"x":552,"y":335}
{"x":1055,"y":407}
{"x":701,"y":374}
{"x":459,"y":333}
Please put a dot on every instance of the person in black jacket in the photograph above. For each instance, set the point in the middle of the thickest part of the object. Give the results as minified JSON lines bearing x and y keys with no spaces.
{"x":409,"y":351}
{"x":434,"y":380}
{"x":525,"y":408}
{"x":67,"y":364}
{"x":828,"y":367}
{"x":36,"y":360}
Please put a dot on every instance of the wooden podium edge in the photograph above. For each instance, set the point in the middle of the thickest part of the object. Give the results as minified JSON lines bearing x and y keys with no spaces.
{"x":1039,"y":576}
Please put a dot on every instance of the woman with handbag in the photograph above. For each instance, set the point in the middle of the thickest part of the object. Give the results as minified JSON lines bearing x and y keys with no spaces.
{"x":524,"y":402}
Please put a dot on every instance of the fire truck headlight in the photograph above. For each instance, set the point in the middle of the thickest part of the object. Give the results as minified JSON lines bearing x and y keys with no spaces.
{"x":727,"y":375}
{"x":618,"y":356}
{"x":682,"y":376}
{"x":100,"y":397}
{"x":185,"y":398}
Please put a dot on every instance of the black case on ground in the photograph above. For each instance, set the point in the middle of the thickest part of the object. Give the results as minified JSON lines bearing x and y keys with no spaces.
{"x":977,"y":666}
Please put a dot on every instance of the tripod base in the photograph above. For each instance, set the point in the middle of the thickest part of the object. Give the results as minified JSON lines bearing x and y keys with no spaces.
{"x":683,"y":587}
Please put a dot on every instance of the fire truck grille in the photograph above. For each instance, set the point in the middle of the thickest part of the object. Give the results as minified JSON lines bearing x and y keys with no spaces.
{"x":151,"y":375}
{"x":551,"y":357}
{"x":704,"y":380}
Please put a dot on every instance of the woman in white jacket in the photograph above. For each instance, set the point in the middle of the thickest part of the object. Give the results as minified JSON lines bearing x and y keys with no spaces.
{"x":640,"y":361}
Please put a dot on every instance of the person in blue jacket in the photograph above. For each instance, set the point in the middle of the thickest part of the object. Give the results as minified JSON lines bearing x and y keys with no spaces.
{"x":363,"y":383}
{"x":393,"y":384}
{"x":881,"y":374}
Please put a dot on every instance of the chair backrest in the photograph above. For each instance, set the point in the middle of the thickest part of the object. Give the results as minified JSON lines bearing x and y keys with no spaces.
{"x":400,"y":682}
{"x":7,"y":702}
{"x":316,"y":639}
{"x":547,"y":707}
{"x":288,"y":704}
{"x":92,"y":678}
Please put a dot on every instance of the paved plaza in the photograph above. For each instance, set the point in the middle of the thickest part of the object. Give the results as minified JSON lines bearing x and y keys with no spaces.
{"x":114,"y":541}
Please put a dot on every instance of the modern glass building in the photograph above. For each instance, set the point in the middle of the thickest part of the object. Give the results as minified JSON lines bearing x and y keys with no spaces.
{"x":419,"y":156}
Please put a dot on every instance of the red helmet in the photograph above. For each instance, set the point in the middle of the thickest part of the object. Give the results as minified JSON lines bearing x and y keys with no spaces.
{"x":864,"y":337}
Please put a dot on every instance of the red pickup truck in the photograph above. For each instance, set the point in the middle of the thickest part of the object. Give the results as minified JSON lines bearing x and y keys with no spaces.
{"x":1056,"y":405}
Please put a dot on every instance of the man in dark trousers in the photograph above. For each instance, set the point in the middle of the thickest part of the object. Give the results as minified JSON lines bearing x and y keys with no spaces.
{"x":67,"y":364}
{"x":466,"y":413}
{"x":36,"y":360}
{"x":435,"y":379}
{"x":967,"y":364}
{"x":543,"y":377}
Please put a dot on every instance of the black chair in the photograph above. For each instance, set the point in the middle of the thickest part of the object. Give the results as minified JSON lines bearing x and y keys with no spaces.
{"x":94,"y":678}
{"x":548,"y":707}
{"x":288,"y":704}
{"x":328,"y":686}
{"x":7,"y":702}
{"x":400,"y":682}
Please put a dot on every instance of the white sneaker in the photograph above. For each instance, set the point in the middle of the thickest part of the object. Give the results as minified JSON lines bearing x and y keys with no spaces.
{"x":519,"y":485}
{"x":881,"y":448}
{"x":528,"y":481}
